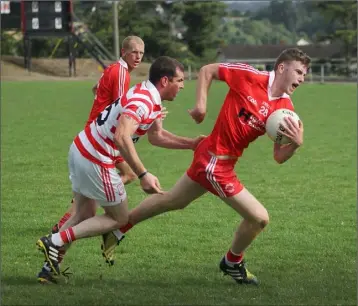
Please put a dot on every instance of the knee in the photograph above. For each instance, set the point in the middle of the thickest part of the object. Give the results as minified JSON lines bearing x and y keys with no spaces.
{"x":263,"y":219}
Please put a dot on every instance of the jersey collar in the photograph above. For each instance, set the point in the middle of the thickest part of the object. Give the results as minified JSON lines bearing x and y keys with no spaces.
{"x":271,"y":79}
{"x":154,"y":92}
{"x":123,"y":63}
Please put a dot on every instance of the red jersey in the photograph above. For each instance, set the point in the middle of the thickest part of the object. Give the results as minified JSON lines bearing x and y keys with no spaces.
{"x":247,"y":105}
{"x":113,"y":84}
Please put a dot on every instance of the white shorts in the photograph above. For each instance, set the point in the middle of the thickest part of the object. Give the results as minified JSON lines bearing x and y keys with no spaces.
{"x":94,"y":181}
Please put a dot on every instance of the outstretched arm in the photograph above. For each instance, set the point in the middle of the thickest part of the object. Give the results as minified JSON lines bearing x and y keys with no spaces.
{"x":160,"y":137}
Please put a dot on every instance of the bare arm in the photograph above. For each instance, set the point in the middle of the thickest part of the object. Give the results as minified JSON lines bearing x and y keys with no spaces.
{"x":294,"y":132}
{"x":160,"y":137}
{"x":282,"y":153}
{"x":123,"y":140}
{"x":206,"y":75}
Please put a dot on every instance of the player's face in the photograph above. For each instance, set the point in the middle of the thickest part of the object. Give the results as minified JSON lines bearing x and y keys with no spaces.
{"x":294,"y":73}
{"x":175,"y":85}
{"x":133,"y":55}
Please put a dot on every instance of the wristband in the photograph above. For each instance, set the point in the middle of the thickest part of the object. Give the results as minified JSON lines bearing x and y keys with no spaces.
{"x":142,"y":174}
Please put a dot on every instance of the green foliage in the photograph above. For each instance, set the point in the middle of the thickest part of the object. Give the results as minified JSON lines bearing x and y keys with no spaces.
{"x":11,"y":43}
{"x":202,"y":20}
{"x":254,"y":32}
{"x":343,"y":14}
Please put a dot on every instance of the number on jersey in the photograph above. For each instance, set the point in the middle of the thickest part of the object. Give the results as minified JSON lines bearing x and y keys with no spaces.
{"x":263,"y":111}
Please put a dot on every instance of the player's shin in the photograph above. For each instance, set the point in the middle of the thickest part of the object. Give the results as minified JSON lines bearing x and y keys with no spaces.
{"x":245,"y":235}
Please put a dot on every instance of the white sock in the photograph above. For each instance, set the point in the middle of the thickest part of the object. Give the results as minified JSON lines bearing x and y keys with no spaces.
{"x":57,"y":240}
{"x":118,"y":234}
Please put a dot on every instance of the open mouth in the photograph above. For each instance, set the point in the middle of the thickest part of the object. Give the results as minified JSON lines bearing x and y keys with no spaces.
{"x":295,"y":85}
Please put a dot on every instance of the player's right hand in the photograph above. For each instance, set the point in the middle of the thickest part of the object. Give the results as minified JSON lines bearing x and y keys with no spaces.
{"x":197,"y":113}
{"x":150,"y":184}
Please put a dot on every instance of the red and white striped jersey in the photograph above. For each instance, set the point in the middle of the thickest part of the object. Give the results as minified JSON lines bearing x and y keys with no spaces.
{"x":142,"y":102}
{"x":247,"y":106}
{"x":113,"y":84}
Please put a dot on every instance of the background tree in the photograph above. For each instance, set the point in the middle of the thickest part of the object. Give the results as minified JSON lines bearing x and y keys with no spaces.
{"x":343,"y":15}
{"x":202,"y":20}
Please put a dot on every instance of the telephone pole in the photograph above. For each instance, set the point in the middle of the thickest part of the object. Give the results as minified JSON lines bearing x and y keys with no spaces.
{"x":115,"y":29}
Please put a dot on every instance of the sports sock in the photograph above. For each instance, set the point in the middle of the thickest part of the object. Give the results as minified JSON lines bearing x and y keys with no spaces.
{"x":232,"y":259}
{"x":63,"y":220}
{"x":118,"y":234}
{"x":63,"y":237}
{"x":126,"y":228}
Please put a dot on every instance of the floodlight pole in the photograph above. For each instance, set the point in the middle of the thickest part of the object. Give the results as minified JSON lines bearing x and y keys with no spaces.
{"x":115,"y":29}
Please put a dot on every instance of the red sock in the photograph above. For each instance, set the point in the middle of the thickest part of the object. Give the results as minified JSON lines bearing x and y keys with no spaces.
{"x":67,"y":236}
{"x":63,"y":220}
{"x":233,"y":258}
{"x":126,"y":228}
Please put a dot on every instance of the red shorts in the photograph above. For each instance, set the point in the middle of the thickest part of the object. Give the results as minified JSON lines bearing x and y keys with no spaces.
{"x":215,"y":175}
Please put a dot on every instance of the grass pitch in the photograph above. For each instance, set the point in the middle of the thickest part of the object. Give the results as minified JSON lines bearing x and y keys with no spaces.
{"x":307,"y":254}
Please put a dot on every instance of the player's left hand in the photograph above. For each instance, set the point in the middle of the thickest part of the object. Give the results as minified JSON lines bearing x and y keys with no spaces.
{"x":293,"y":131}
{"x":197,"y":140}
{"x":164,"y":113}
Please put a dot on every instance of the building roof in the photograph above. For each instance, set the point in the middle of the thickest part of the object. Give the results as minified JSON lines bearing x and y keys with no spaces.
{"x":270,"y":52}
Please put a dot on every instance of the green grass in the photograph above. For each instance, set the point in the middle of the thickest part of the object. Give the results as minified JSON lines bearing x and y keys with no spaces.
{"x":307,"y":254}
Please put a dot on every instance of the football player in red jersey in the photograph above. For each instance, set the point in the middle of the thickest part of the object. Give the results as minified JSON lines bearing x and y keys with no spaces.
{"x":253,"y":95}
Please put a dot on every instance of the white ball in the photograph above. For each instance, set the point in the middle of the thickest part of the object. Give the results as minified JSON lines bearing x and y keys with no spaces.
{"x":275,"y":123}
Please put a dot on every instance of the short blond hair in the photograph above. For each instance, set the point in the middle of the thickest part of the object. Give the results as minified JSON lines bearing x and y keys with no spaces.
{"x":126,"y":43}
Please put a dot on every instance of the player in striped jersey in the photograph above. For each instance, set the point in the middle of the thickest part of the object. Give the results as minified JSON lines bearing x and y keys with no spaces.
{"x":113,"y":84}
{"x":253,"y":95}
{"x":94,"y":152}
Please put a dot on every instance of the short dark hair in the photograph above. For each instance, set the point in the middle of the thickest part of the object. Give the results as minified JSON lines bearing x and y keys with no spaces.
{"x":164,"y":66}
{"x":293,"y":54}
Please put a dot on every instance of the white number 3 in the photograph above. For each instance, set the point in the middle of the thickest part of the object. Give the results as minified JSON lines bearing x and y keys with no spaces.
{"x":263,"y":110}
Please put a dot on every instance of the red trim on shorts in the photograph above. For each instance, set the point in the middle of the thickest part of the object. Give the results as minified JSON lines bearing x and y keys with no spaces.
{"x":88,"y":155}
{"x":107,"y":185}
{"x":209,"y":170}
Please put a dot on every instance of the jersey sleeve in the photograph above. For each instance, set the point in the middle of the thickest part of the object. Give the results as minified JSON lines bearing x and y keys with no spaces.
{"x":120,"y":82}
{"x":234,"y":74}
{"x":138,"y":110}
